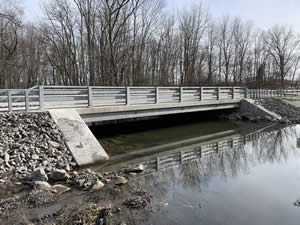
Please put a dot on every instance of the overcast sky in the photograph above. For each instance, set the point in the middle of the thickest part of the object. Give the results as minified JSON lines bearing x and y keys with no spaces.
{"x":263,"y":13}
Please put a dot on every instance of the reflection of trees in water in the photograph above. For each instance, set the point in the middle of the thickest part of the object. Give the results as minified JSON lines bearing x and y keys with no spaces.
{"x":192,"y":174}
{"x":271,"y":147}
{"x":275,"y":146}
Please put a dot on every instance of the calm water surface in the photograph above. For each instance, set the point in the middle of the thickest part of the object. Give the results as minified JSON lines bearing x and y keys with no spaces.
{"x":117,"y":144}
{"x":245,"y":177}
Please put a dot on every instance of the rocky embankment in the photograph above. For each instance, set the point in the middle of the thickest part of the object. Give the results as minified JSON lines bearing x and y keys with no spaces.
{"x":285,"y":110}
{"x":37,"y":170}
{"x":29,"y":141}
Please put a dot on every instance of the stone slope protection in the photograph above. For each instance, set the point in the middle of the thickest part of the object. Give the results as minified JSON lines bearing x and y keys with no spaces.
{"x":29,"y":141}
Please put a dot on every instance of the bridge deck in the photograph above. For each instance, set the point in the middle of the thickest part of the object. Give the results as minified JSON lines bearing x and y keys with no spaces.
{"x":94,"y":114}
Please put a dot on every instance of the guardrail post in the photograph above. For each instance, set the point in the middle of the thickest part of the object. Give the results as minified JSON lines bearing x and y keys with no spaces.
{"x":217,"y":148}
{"x":180,"y":95}
{"x":232,"y":92}
{"x":156,"y":95}
{"x":9,"y":98}
{"x":41,"y":96}
{"x":246,"y":92}
{"x":90,"y":96}
{"x":127,"y":96}
{"x":200,"y":151}
{"x":27,"y":100}
{"x":201,"y":93}
{"x":181,"y":157}
{"x":218,"y":93}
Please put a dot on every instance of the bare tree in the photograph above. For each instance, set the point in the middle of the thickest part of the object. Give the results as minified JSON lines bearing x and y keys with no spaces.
{"x":282,"y":45}
{"x":226,"y":47}
{"x":211,"y":52}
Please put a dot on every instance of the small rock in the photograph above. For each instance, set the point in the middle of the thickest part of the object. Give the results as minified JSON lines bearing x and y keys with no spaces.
{"x":97,"y":186}
{"x":88,"y":171}
{"x":53,"y":144}
{"x":2,"y":181}
{"x":6,"y":157}
{"x":37,"y":175}
{"x":59,"y":175}
{"x":107,"y":181}
{"x":140,"y":168}
{"x":60,"y":189}
{"x":121,"y":180}
{"x":35,"y":157}
{"x":75,"y":173}
{"x":80,"y":183}
{"x":42,"y":185}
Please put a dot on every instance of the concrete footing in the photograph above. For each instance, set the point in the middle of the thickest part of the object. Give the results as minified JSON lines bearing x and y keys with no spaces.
{"x":80,"y":140}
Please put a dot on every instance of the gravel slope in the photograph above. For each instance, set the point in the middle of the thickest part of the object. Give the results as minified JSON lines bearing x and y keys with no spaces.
{"x":29,"y":141}
{"x":285,"y":110}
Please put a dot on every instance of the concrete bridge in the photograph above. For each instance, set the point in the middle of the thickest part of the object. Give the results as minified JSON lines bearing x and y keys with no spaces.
{"x":110,"y":103}
{"x":73,"y":106}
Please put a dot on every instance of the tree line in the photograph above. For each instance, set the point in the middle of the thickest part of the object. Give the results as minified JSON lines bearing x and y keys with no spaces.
{"x":141,"y":43}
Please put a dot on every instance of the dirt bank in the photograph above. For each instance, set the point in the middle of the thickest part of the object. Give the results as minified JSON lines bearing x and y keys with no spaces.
{"x":84,"y":197}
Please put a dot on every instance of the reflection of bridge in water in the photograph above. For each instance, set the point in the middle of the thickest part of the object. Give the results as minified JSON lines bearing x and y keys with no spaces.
{"x":189,"y":151}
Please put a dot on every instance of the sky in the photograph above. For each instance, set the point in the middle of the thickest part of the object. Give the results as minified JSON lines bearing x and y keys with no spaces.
{"x":263,"y":13}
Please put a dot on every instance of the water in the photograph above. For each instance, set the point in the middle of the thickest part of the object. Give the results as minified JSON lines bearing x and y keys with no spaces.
{"x":242,"y":176}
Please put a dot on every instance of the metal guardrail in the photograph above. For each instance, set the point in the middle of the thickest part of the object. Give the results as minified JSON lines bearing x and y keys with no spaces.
{"x":53,"y":97}
{"x":267,"y":93}
{"x":19,"y":99}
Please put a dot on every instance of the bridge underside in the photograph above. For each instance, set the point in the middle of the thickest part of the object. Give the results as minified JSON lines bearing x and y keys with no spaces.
{"x":90,"y":115}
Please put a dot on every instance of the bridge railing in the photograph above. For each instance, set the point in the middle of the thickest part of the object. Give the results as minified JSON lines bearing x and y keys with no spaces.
{"x":19,"y":99}
{"x":266,"y":93}
{"x":52,"y":97}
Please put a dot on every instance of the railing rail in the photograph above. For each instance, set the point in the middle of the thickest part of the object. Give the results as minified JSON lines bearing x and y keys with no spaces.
{"x":266,"y":93}
{"x":52,"y":97}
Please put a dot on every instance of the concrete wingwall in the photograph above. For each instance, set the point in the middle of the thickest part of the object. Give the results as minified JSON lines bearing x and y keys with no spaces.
{"x":82,"y":143}
{"x":249,"y":106}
